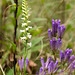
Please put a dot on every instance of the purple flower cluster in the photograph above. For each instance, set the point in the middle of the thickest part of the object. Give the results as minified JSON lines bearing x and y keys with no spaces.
{"x":66,"y":56}
{"x":58,"y":30}
{"x":55,"y":45}
{"x":70,"y":59}
{"x":21,"y":63}
{"x":49,"y":67}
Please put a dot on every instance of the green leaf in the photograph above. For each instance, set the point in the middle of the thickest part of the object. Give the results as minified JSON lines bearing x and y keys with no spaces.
{"x":10,"y":72}
{"x":38,"y":19}
{"x":5,"y":57}
{"x":36,"y":48}
{"x":36,"y":41}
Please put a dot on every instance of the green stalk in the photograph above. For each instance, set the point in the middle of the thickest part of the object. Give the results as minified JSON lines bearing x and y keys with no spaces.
{"x":25,"y":58}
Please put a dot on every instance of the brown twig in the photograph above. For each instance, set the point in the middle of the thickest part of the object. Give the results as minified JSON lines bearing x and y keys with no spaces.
{"x":15,"y":31}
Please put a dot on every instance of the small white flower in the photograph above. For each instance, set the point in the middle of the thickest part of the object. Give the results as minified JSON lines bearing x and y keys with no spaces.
{"x":24,"y":24}
{"x":23,"y":18}
{"x":29,"y":36}
{"x":29,"y":44}
{"x":28,"y":21}
{"x":27,"y":29}
{"x":22,"y":30}
{"x":23,"y":11}
{"x":28,"y":33}
{"x":23,"y":38}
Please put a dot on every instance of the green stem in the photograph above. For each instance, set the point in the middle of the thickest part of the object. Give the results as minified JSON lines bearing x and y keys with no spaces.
{"x":25,"y":58}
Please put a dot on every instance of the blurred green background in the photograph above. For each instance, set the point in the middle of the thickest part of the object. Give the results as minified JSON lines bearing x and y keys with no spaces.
{"x":42,"y":12}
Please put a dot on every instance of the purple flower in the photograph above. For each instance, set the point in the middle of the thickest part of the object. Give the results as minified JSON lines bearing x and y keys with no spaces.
{"x":55,"y":25}
{"x":26,"y":62}
{"x":41,"y":70}
{"x":68,"y":53}
{"x":72,"y":58}
{"x":21,"y":63}
{"x":42,"y":62}
{"x":55,"y":44}
{"x":52,"y":67}
{"x":47,"y":63}
{"x":49,"y":33}
{"x":66,"y":56}
{"x":71,"y":67}
{"x":60,"y":31}
{"x":61,"y":56}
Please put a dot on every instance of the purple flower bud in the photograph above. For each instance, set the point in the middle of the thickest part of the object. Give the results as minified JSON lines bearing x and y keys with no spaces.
{"x":59,"y":21}
{"x":41,"y":70}
{"x":21,"y":63}
{"x":56,"y":63}
{"x":61,"y":56}
{"x":71,"y":58}
{"x":53,"y":28}
{"x":56,"y":25}
{"x":55,"y":44}
{"x":51,"y":67}
{"x":71,"y":67}
{"x":59,"y":43}
{"x":51,"y":44}
{"x":68,"y":53}
{"x":26,"y":62}
{"x":42,"y":62}
{"x":47,"y":63}
{"x":60,"y":31}
{"x":49,"y":33}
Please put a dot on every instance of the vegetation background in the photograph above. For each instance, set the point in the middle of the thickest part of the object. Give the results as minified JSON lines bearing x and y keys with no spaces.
{"x":42,"y":12}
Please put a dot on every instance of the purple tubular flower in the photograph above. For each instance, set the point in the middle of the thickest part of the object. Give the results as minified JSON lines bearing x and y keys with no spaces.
{"x":71,"y":58}
{"x":61,"y":56}
{"x":21,"y":63}
{"x":52,"y":66}
{"x":59,"y":21}
{"x":71,"y":66}
{"x":59,"y":43}
{"x":42,"y":62}
{"x":26,"y":62}
{"x":53,"y":27}
{"x":51,"y":44}
{"x":41,"y":70}
{"x":49,"y":33}
{"x":56,"y":63}
{"x":68,"y":53}
{"x":55,"y":44}
{"x":60,"y":31}
{"x":47,"y":63}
